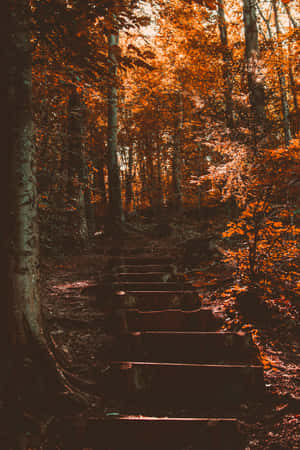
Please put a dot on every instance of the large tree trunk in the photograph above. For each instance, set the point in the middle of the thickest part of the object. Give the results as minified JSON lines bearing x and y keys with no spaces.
{"x":255,"y":82}
{"x":115,"y":198}
{"x":227,"y":75}
{"x":5,"y":181}
{"x":24,"y":259}
{"x":29,"y":376}
{"x":25,"y":363}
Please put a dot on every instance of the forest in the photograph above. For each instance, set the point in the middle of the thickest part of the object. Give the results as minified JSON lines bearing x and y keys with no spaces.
{"x":150,"y":194}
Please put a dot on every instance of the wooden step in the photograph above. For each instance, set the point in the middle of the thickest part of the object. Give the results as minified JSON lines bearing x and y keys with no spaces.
{"x":154,"y":268}
{"x":172,"y":320}
{"x":187,"y":347}
{"x":141,"y":260}
{"x":163,"y":433}
{"x":140,"y":286}
{"x":129,"y":251}
{"x":177,"y":385}
{"x":146,"y":277}
{"x":159,"y":300}
{"x":115,"y":297}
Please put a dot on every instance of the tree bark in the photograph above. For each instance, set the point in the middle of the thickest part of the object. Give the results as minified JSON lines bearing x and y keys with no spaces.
{"x":78,"y":174}
{"x":129,"y":179}
{"x":255,"y":83}
{"x":25,"y":359}
{"x":100,"y":158}
{"x":227,"y":75}
{"x":115,"y":197}
{"x":159,"y":177}
{"x":143,"y":197}
{"x":176,"y":161}
{"x":293,"y":89}
{"x":282,"y":82}
{"x":24,"y":258}
{"x":30,"y":378}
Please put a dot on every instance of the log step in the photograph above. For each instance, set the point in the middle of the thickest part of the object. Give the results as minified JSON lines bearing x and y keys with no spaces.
{"x":128,"y":286}
{"x":141,"y":260}
{"x":129,"y":251}
{"x":159,"y":300}
{"x":145,"y":277}
{"x":163,"y":433}
{"x":147,"y":268}
{"x":172,"y":320}
{"x":144,"y":300}
{"x":177,"y":385}
{"x":187,"y":347}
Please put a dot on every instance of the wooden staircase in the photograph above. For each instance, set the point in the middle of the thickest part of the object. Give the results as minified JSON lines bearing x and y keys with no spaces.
{"x":174,"y":380}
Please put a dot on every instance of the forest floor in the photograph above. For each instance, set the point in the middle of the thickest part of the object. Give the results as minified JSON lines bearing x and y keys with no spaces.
{"x":76,"y":328}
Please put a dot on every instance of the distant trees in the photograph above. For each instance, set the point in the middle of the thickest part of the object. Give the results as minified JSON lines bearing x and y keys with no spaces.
{"x":155,"y":111}
{"x":123,"y":123}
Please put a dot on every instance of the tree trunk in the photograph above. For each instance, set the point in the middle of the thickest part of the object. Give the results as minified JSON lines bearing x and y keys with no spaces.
{"x":30,"y":378}
{"x":129,"y":179}
{"x":199,"y":189}
{"x":115,"y":198}
{"x":227,"y":75}
{"x":159,"y":178}
{"x":255,"y":83}
{"x":25,"y":374}
{"x":78,"y":177}
{"x":282,"y":82}
{"x":176,"y":162}
{"x":23,"y":266}
{"x":100,"y":185}
{"x":143,"y":182}
{"x":293,"y":89}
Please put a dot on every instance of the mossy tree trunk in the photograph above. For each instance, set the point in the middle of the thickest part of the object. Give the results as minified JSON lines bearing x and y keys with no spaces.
{"x":22,"y":240}
{"x":29,"y":375}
